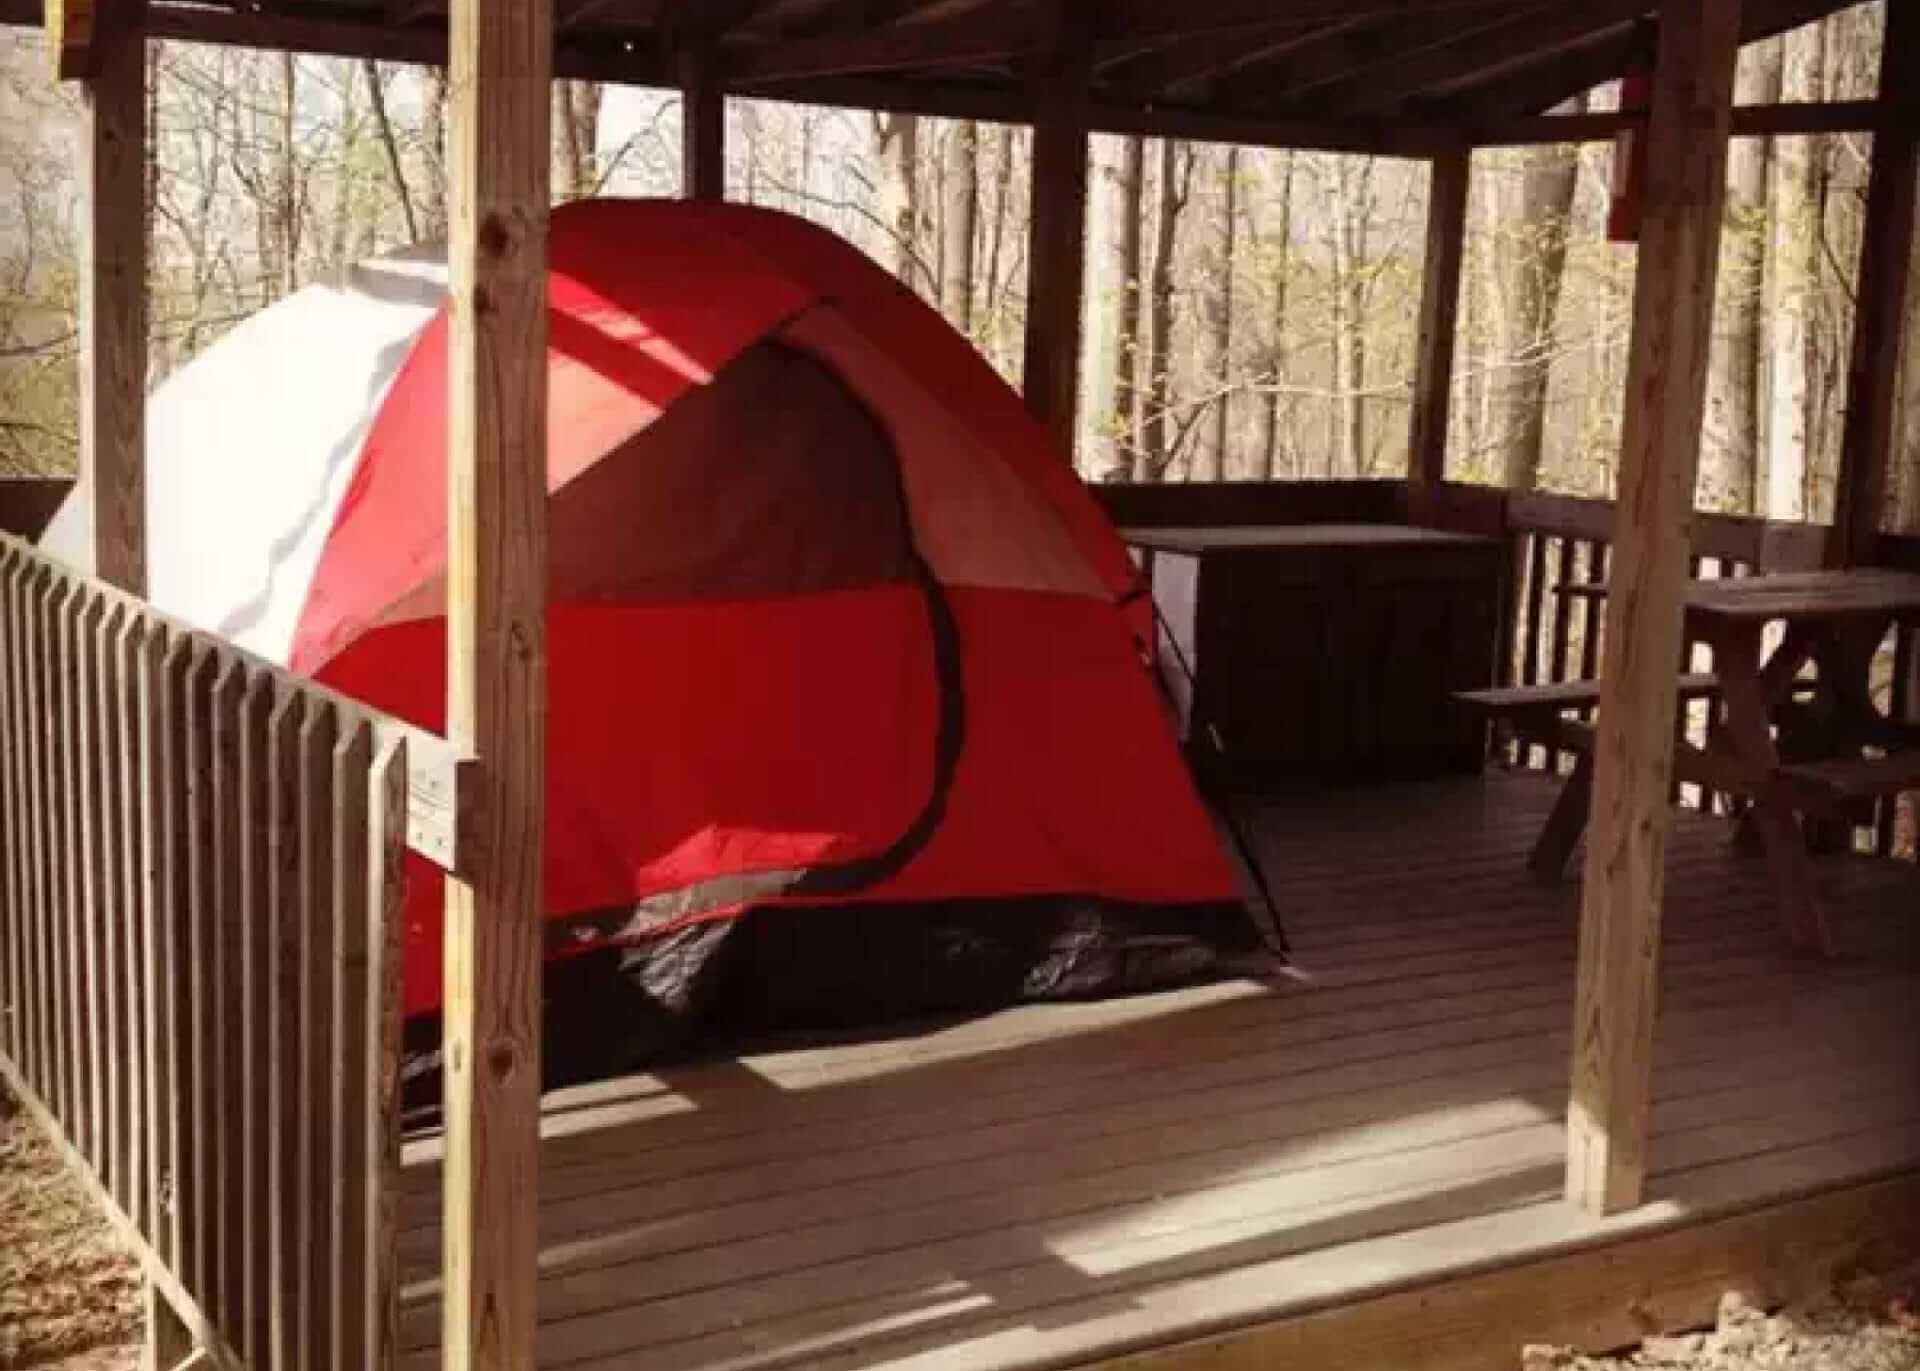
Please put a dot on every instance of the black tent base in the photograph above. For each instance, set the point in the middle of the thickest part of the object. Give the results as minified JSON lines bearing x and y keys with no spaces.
{"x":876,"y":970}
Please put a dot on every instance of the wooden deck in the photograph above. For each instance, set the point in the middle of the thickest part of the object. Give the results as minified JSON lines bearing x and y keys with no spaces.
{"x":1205,"y":1170}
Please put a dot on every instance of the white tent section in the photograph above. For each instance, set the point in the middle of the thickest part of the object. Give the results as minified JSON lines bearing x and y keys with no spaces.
{"x":251,"y":446}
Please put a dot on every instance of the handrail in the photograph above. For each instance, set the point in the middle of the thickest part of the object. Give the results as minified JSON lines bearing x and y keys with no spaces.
{"x":439,"y":775}
{"x":200,"y":947}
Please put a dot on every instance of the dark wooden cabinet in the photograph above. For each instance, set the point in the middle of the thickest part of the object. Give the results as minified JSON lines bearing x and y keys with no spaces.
{"x":1327,"y":652}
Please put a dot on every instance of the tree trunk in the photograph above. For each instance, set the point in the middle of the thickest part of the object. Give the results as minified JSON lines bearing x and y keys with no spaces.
{"x":899,"y":139}
{"x":390,"y":146}
{"x":1533,"y":278}
{"x":1157,"y":449}
{"x":959,"y":222}
{"x":1792,"y":278}
{"x":1210,"y":449}
{"x":1730,"y":448}
{"x":576,"y":111}
{"x":287,"y":206}
{"x":1278,"y":261}
{"x":1347,"y":452}
{"x":1113,"y":308}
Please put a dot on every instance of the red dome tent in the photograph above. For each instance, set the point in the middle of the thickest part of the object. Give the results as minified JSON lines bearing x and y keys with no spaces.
{"x":831,"y":626}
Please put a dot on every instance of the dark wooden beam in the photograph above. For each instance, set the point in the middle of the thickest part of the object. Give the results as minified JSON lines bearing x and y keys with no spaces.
{"x":1173,"y":68}
{"x":1558,"y":76}
{"x":1439,"y":319}
{"x":703,"y":124}
{"x":113,"y":299}
{"x":1000,"y":37}
{"x":1618,"y":982}
{"x":1867,"y":441}
{"x":1749,"y":121}
{"x":502,"y":71}
{"x":1350,"y":50}
{"x":1432,"y":56}
{"x":1056,"y":257}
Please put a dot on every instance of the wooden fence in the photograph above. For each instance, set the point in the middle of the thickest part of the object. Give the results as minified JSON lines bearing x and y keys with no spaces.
{"x":200,"y":943}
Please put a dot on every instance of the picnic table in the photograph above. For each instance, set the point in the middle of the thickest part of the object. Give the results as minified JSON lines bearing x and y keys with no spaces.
{"x":1787,"y":746}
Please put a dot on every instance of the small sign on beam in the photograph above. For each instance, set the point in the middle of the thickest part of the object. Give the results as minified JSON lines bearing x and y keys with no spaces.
{"x":72,"y":37}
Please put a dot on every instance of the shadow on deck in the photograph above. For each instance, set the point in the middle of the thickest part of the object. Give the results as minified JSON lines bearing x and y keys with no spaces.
{"x":1059,"y":1185}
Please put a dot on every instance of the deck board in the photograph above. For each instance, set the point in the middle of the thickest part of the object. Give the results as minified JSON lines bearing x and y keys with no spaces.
{"x":1054,"y":1185}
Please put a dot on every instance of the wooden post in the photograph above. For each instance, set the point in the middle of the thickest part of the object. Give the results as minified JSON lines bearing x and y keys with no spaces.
{"x":501,"y":63}
{"x":1056,"y":256}
{"x":1660,"y":456}
{"x":113,"y":296}
{"x":1886,"y":262}
{"x":168,"y":1345}
{"x":1439,"y":316}
{"x":703,"y":124}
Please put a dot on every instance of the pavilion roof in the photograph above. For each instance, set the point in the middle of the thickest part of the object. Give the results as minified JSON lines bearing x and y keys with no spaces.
{"x":1404,"y":76}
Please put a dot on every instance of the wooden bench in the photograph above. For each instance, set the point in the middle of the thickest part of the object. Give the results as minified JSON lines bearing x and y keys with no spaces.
{"x":1835,"y":782}
{"x":1536,"y":714}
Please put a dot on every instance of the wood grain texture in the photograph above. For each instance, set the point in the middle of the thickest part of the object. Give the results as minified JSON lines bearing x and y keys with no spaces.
{"x":349,"y":1089}
{"x":387,"y":876}
{"x":113,"y":298}
{"x":1439,"y":324}
{"x":1867,"y":443}
{"x":502,"y":60}
{"x":1615,"y":999}
{"x":1059,"y":79}
{"x":1057,"y":1185}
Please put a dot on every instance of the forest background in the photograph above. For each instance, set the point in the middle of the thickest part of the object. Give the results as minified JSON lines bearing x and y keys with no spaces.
{"x":1250,"y":312}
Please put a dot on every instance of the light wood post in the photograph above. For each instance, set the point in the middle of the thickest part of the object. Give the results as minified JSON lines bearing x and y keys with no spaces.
{"x":1439,"y":318}
{"x":502,"y":65}
{"x":1660,"y":456}
{"x":113,"y":295}
{"x":1886,"y":262}
{"x":703,"y":124}
{"x":168,"y":1346}
{"x":1056,"y":256}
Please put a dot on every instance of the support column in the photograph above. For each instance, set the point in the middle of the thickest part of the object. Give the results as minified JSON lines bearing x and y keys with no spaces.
{"x":1056,"y":256}
{"x":113,"y":295}
{"x":501,"y":63}
{"x":1886,"y":262}
{"x":1660,"y":457}
{"x":1439,"y":320}
{"x":168,"y":1346}
{"x":703,"y":124}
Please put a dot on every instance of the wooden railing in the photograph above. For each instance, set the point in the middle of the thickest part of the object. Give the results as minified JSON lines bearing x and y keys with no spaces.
{"x":200,"y":947}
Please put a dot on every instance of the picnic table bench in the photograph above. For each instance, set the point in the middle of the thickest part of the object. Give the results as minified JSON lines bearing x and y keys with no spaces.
{"x":1845,"y":750}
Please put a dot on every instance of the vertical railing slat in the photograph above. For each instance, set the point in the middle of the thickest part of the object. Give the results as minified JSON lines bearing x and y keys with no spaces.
{"x":226,"y":997}
{"x":349,"y":1093}
{"x":256,"y":989}
{"x":129,"y":655}
{"x":109,"y":902}
{"x":174,"y":885}
{"x":387,"y":858}
{"x":39,"y":734}
{"x":318,"y":735}
{"x":283,"y":1106}
{"x":201,"y":1191}
{"x":13,"y":858}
